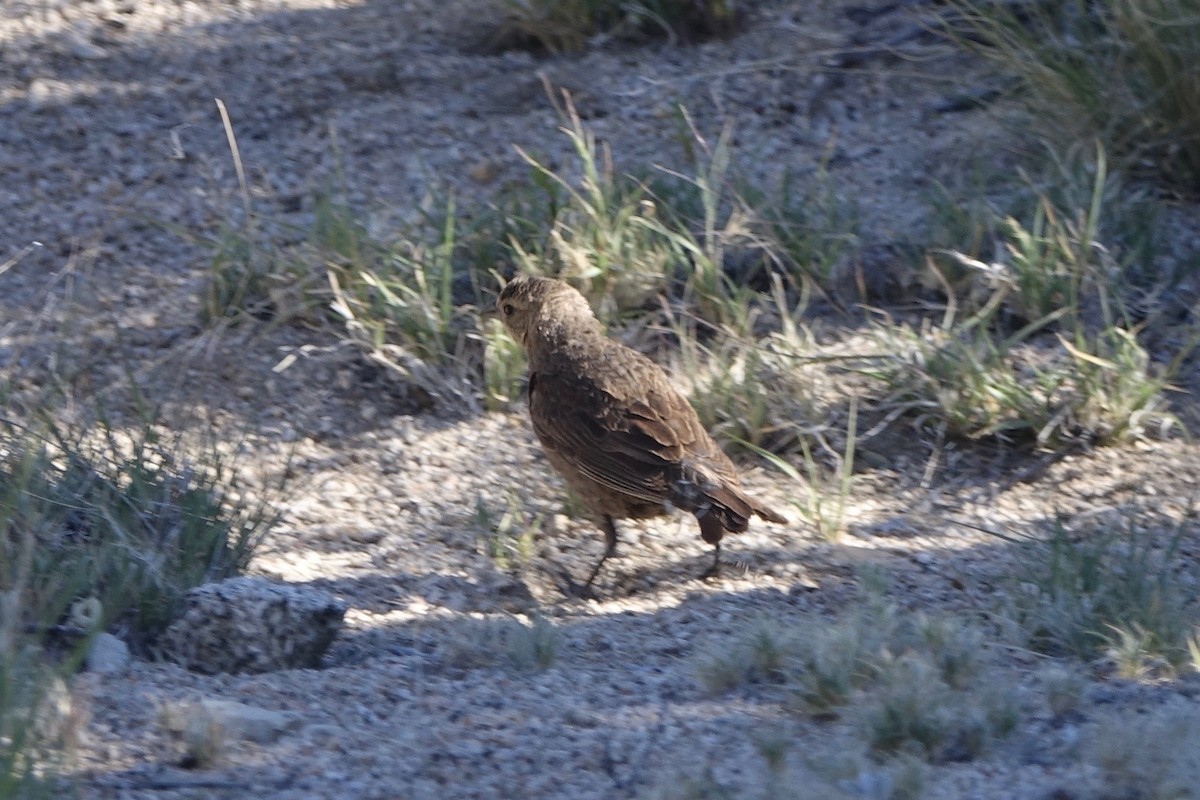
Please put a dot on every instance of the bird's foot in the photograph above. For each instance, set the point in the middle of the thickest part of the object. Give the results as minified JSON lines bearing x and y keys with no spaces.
{"x":714,"y":569}
{"x":730,"y":566}
{"x":738,"y":566}
{"x":569,"y":586}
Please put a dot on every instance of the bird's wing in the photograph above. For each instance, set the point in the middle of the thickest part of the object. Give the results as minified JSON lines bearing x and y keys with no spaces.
{"x":628,"y":431}
{"x":656,"y":408}
{"x":627,"y":443}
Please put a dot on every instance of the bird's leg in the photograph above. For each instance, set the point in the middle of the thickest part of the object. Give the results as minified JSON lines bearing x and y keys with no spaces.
{"x":610,"y":542}
{"x":715,"y":568}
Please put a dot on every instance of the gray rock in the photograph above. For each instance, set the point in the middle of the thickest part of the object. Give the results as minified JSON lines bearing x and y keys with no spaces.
{"x":235,"y":721}
{"x":107,"y":655}
{"x":252,"y":625}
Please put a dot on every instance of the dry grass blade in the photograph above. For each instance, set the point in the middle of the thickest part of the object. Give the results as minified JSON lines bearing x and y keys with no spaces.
{"x":1125,"y":71}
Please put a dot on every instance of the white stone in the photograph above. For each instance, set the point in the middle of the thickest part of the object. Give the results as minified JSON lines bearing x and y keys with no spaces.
{"x":107,"y":655}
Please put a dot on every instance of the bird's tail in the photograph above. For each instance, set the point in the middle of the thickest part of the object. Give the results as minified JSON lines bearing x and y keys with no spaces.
{"x":768,"y":514}
{"x":728,"y":509}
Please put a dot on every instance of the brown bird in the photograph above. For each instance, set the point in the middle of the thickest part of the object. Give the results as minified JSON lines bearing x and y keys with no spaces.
{"x":613,"y":426}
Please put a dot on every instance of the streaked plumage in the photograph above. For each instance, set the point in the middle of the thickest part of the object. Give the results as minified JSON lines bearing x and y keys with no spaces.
{"x":611,"y":423}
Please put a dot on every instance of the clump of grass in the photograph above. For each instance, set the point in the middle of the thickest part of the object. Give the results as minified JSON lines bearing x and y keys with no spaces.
{"x":238,"y":280}
{"x":488,"y":642}
{"x":503,"y":367}
{"x":1051,"y":391}
{"x":1123,"y":71}
{"x":812,"y":231}
{"x":33,"y":740}
{"x":630,"y":247}
{"x":1063,"y":688}
{"x":131,"y":524}
{"x":721,"y":373}
{"x":822,"y":499}
{"x":568,"y":25}
{"x":842,"y":659}
{"x":1147,"y":756}
{"x":39,"y":720}
{"x":916,"y":711}
{"x":605,"y":238}
{"x":921,"y":682}
{"x":250,"y":276}
{"x":1073,"y":371}
{"x":533,"y":645}
{"x":1113,"y":589}
{"x":763,"y":654}
{"x":750,"y":393}
{"x":507,"y":536}
{"x":1056,"y":234}
{"x":405,"y":309}
{"x":39,"y":724}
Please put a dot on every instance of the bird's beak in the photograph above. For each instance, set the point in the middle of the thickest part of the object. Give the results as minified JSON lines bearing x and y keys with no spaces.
{"x":490,"y":310}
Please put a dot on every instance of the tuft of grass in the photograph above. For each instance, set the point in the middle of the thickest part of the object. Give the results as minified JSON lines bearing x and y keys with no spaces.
{"x":1122,"y":71}
{"x":953,"y":647}
{"x":1073,"y":370}
{"x":915,"y":711}
{"x":1051,"y":391}
{"x":250,"y":276}
{"x":404,"y":307}
{"x":829,"y":518}
{"x":533,"y":645}
{"x":671,"y":242}
{"x":763,"y":654}
{"x":908,"y":711}
{"x":39,"y":721}
{"x":923,"y":686}
{"x":749,"y":394}
{"x":480,"y":643}
{"x":812,"y":230}
{"x":507,"y":537}
{"x":127,"y":524}
{"x":1063,"y":688}
{"x":1151,"y":756}
{"x":839,"y":661}
{"x":1115,"y":589}
{"x":716,"y":290}
{"x":605,"y":239}
{"x":1064,"y":232}
{"x":238,"y":279}
{"x":503,"y":367}
{"x":35,"y":735}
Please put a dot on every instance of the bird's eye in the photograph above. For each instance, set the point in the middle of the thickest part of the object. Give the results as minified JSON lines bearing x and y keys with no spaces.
{"x":508,"y":309}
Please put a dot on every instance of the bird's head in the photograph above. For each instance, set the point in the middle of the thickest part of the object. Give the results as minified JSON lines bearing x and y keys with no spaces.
{"x":529,"y":304}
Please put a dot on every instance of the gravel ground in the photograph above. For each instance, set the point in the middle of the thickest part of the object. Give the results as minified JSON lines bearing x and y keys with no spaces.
{"x":111,"y":145}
